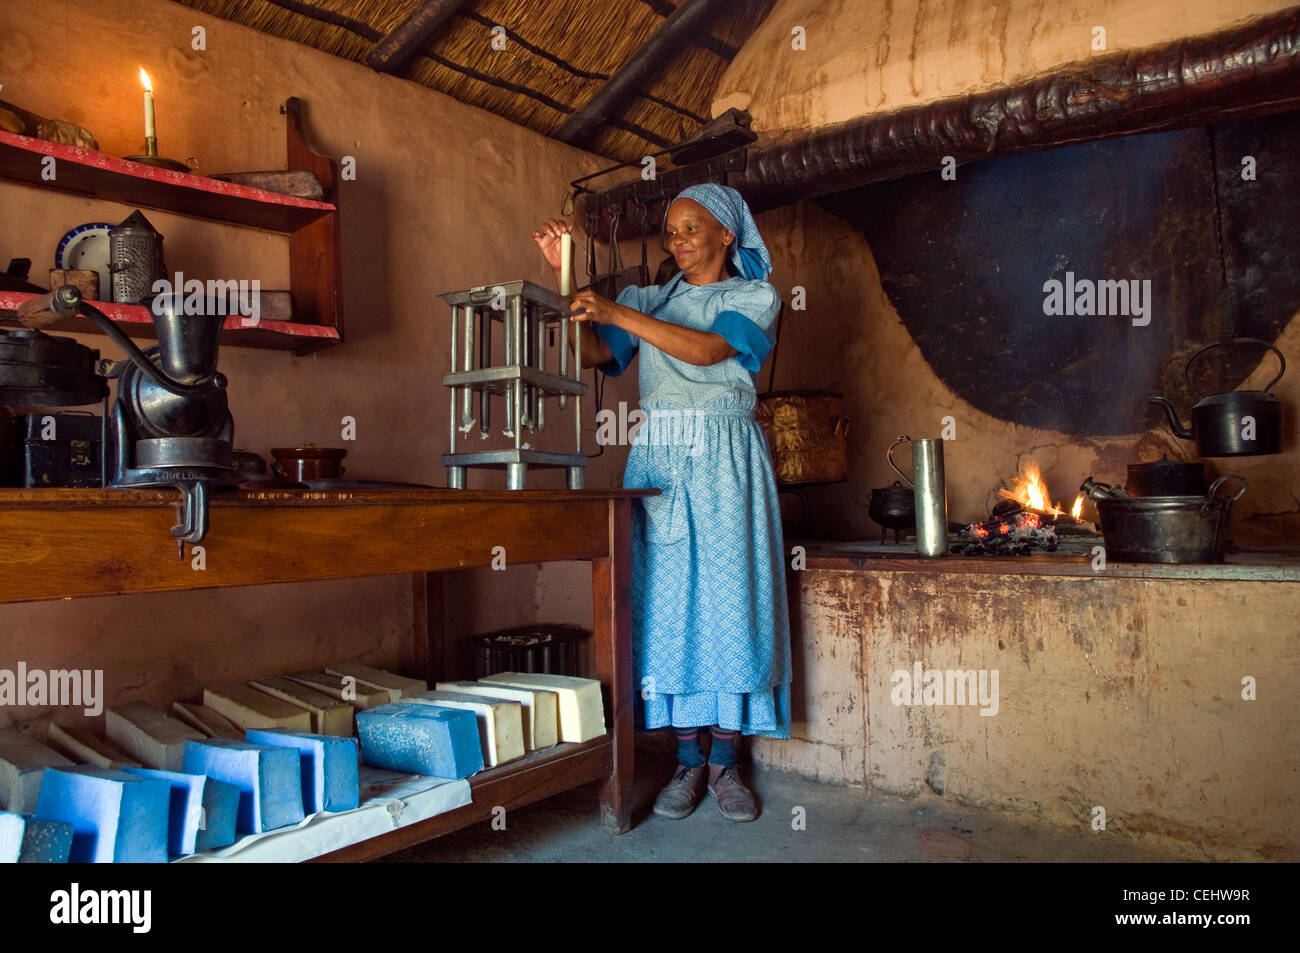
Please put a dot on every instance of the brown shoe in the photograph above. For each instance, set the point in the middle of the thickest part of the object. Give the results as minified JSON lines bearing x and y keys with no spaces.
{"x":735,"y":801}
{"x":680,"y":795}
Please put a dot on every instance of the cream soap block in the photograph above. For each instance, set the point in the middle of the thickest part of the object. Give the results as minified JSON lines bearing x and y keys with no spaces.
{"x":541,"y":709}
{"x":582,"y":715}
{"x":329,"y":716}
{"x":352,"y":692}
{"x":152,"y":737}
{"x":500,"y":722}
{"x":249,"y":708}
{"x":23,"y":761}
{"x":398,"y":686}
{"x":84,"y":747}
{"x":207,"y":720}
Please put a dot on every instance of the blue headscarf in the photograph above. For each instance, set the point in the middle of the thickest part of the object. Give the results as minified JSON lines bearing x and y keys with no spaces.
{"x":748,"y":254}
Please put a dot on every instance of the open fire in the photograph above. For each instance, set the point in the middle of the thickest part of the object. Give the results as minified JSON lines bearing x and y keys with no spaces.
{"x":1024,"y":520}
{"x":1031,"y":493}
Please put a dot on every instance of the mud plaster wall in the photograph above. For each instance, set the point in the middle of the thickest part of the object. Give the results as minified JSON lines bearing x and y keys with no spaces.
{"x":1119,"y":693}
{"x":863,"y":58}
{"x":850,"y":340}
{"x":444,"y":198}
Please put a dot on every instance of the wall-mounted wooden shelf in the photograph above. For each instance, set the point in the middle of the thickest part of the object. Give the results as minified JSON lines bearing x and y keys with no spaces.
{"x":315,"y":268}
{"x":101,"y":176}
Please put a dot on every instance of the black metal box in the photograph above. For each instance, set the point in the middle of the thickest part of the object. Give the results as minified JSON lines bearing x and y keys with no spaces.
{"x":56,"y":450}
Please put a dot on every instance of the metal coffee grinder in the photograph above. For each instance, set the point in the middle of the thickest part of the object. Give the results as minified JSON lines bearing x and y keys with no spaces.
{"x":170,"y":424}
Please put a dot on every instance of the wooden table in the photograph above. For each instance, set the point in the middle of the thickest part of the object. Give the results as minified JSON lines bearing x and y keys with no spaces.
{"x":59,"y":544}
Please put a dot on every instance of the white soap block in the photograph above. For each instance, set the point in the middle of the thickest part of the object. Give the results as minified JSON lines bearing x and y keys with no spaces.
{"x":207,"y":720}
{"x":500,"y":722}
{"x":582,"y":715}
{"x":152,"y":737}
{"x":398,"y":686}
{"x":541,"y":709}
{"x":329,"y":716}
{"x":344,"y":689}
{"x":249,"y":708}
{"x":84,"y":747}
{"x":22,"y":761}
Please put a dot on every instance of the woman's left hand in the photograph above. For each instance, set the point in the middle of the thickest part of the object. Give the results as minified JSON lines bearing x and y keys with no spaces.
{"x":595,"y":307}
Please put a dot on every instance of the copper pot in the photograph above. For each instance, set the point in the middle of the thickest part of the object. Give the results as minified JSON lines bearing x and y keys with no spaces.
{"x":308,"y":462}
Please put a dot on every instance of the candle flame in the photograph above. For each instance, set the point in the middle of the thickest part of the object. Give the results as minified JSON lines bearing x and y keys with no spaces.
{"x":144,"y":80}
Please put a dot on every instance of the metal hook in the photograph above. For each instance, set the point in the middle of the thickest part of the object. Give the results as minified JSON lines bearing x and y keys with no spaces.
{"x":643,"y":214}
{"x":592,"y":224}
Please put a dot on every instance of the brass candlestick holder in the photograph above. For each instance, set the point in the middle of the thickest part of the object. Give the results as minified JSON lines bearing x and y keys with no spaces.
{"x":151,"y":157}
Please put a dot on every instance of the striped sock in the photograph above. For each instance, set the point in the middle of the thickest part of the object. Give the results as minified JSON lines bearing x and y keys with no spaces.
{"x":689,"y":752}
{"x":723,"y":751}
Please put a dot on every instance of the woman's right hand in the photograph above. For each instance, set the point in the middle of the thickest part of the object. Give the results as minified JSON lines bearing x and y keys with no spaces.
{"x":548,"y":240}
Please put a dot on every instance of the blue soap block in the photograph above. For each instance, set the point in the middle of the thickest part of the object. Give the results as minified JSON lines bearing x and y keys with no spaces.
{"x":26,"y":840}
{"x":221,"y":815}
{"x":46,"y":842}
{"x":116,"y":817}
{"x":269,"y":780}
{"x":421,"y":739}
{"x":199,"y":806}
{"x":330,"y":779}
{"x":12,"y":828}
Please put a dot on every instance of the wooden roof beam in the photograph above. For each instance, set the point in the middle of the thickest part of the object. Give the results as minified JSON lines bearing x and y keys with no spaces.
{"x":394,"y":51}
{"x":688,"y":19}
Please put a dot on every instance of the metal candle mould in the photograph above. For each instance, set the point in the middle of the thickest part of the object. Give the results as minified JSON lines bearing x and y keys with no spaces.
{"x":527,"y":314}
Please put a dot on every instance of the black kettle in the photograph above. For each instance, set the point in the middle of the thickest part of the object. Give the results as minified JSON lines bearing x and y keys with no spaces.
{"x":1240,"y":423}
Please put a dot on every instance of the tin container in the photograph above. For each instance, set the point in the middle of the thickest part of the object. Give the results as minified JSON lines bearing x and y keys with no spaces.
{"x":929,"y":493}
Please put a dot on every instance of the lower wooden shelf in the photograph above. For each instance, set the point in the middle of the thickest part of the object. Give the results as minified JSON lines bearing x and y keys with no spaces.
{"x":531,"y":778}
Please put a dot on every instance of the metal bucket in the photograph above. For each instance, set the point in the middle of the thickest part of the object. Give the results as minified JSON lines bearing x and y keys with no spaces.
{"x":806,"y":434}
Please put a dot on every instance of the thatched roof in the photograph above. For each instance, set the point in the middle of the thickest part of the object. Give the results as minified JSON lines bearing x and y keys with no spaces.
{"x":558,"y":55}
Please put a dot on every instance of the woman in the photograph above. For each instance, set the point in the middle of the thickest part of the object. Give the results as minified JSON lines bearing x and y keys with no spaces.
{"x":710,"y":625}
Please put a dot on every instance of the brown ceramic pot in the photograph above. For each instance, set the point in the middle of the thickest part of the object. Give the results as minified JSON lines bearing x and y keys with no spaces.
{"x":308,"y":462}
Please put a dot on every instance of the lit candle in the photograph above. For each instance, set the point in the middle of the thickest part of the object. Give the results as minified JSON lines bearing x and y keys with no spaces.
{"x":149,"y":131}
{"x":566,"y":262}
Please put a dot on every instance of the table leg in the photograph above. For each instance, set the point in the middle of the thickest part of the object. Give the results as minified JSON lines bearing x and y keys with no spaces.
{"x":611,"y":586}
{"x":427,"y":653}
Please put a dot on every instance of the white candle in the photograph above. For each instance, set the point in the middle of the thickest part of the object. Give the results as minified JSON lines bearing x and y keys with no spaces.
{"x":150,"y":132}
{"x":566,"y":261}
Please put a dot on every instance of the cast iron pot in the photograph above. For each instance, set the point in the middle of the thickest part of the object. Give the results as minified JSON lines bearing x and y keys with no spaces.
{"x":1165,"y":477}
{"x":893,"y":507}
{"x":1218,"y":421}
{"x":1165,"y":529}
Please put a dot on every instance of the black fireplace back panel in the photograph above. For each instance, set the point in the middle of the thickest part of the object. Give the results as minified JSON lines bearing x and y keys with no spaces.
{"x":964,"y":262}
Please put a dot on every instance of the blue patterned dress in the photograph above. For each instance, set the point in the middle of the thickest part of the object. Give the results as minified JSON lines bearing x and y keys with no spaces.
{"x":710,"y":621}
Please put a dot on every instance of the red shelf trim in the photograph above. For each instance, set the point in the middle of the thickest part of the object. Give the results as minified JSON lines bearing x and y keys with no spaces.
{"x":99,"y":160}
{"x":137,"y":314}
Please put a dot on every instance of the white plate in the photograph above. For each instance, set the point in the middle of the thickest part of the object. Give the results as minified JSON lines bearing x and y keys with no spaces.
{"x":86,"y":246}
